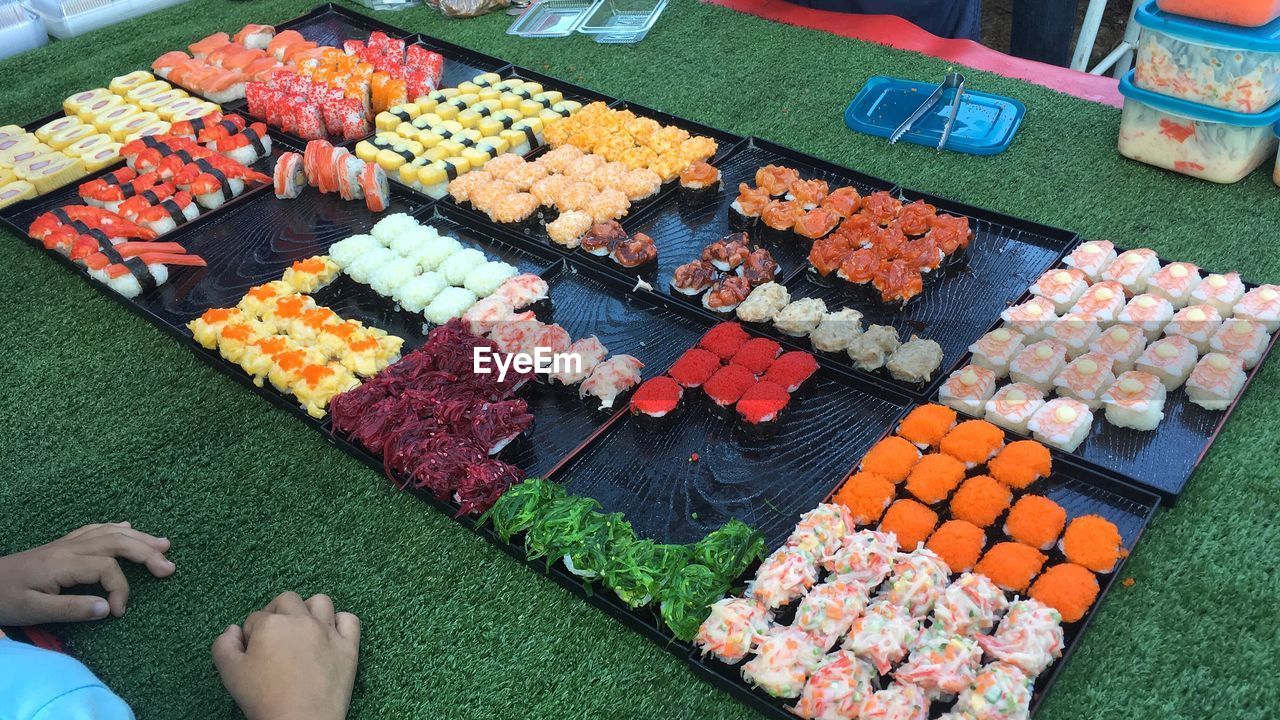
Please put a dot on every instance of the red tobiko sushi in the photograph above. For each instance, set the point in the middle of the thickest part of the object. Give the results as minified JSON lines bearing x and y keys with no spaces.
{"x":656,"y":397}
{"x":724,"y":339}
{"x":695,"y":367}
{"x":757,"y":354}
{"x":791,"y":370}
{"x":728,"y":384}
{"x":762,"y":402}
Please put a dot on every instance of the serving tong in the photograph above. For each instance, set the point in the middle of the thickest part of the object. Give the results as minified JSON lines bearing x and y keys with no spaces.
{"x":954,"y":81}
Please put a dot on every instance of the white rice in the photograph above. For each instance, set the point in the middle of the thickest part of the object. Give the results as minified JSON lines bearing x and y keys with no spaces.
{"x":344,"y":252}
{"x":408,"y":242}
{"x":450,"y":303}
{"x":392,"y":226}
{"x":391,"y":275}
{"x":455,"y":268}
{"x":364,"y":266}
{"x":487,"y":278}
{"x":416,"y":294}
{"x":432,"y":253}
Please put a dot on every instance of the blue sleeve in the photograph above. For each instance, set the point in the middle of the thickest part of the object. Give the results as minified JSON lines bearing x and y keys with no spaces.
{"x":37,"y":684}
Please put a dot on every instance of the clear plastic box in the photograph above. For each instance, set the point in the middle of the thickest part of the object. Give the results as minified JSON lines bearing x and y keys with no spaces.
{"x":1245,"y":13}
{"x":1209,"y":63}
{"x":20,"y":31}
{"x":68,"y":18}
{"x":1203,"y":142}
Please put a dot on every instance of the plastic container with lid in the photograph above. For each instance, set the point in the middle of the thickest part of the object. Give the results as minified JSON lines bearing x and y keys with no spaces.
{"x":1223,"y":66}
{"x":68,"y":18}
{"x":1245,"y":13}
{"x":19,"y":30}
{"x":1204,"y":142}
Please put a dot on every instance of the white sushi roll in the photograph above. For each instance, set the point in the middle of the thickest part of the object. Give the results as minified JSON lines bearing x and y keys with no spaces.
{"x":1031,"y":318}
{"x":450,"y":303}
{"x":968,"y":390}
{"x":457,"y":265}
{"x":392,"y":226}
{"x":1092,"y":258}
{"x":391,"y":275}
{"x":1132,"y":269}
{"x":1135,"y":400}
{"x":432,"y":253}
{"x":1196,"y":323}
{"x":1147,"y":311}
{"x":1123,"y":344}
{"x":486,"y":278}
{"x":407,"y":243}
{"x":345,"y":252}
{"x":1171,"y":359}
{"x":1261,"y":304}
{"x":1075,"y":332}
{"x":1220,"y":291}
{"x":1063,"y":423}
{"x":418,"y":293}
{"x":1216,"y":381}
{"x":363,"y":268}
{"x":800,"y":317}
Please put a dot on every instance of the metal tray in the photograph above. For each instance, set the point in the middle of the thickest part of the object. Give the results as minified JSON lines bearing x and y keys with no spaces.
{"x":553,"y":18}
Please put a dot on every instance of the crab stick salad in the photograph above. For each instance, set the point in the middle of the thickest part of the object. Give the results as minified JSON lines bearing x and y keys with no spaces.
{"x":917,"y":581}
{"x":883,"y":635}
{"x":999,"y":691}
{"x":970,"y":606}
{"x":864,"y":557}
{"x":837,"y":689}
{"x":733,"y":629}
{"x":783,"y":662}
{"x":829,"y":610}
{"x":1029,"y":637}
{"x":941,"y":664}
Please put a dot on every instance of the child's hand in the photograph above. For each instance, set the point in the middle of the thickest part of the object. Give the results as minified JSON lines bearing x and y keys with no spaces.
{"x":31,"y":582}
{"x":291,"y":660}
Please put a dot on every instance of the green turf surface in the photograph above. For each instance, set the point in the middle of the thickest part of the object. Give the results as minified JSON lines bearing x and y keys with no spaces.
{"x":105,"y":418}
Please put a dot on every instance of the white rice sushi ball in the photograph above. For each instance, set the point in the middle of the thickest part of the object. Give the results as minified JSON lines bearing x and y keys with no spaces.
{"x":392,"y":226}
{"x":128,"y":285}
{"x":345,"y":252}
{"x":1171,"y":359}
{"x":1136,"y":400}
{"x":452,"y":302}
{"x":416,"y":294}
{"x":456,"y":267}
{"x":362,"y":269}
{"x":433,"y":252}
{"x":1062,"y":422}
{"x":391,"y":275}
{"x":408,"y":242}
{"x":488,"y":277}
{"x":1216,"y":381}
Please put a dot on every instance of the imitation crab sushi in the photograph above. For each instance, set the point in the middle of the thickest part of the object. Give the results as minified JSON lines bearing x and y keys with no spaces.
{"x":1196,"y":323}
{"x":1031,"y":318}
{"x":1175,"y":282}
{"x":1103,"y":302}
{"x":995,"y":350}
{"x":610,"y":379}
{"x":1062,"y":422}
{"x":1246,"y":339}
{"x":1135,"y":400}
{"x":1220,"y":291}
{"x":1148,"y":312}
{"x":1075,"y":332}
{"x":1262,"y":305}
{"x":1061,"y":287}
{"x":1123,"y":344}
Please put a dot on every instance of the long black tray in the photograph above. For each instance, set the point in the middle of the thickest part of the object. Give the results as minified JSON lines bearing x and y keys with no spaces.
{"x":1080,"y":490}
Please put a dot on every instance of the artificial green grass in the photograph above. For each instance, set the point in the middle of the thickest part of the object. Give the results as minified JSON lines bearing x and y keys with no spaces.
{"x":106,"y":418}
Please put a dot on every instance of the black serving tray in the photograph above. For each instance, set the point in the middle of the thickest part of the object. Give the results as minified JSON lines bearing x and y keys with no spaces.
{"x":1080,"y":490}
{"x":1162,"y":460}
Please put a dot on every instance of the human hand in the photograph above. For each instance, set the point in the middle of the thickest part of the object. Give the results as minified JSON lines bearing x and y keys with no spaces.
{"x":33,"y":580}
{"x":291,"y":660}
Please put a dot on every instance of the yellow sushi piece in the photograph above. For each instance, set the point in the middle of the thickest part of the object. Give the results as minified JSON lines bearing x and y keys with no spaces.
{"x":51,"y":172}
{"x":6,"y":175}
{"x":366,"y":151}
{"x":155,"y":127}
{"x":408,"y":172}
{"x":92,"y":108}
{"x":487,"y":150}
{"x":446,"y":149}
{"x":428,"y":103}
{"x":482,"y":109}
{"x":70,"y":135}
{"x":151,"y":103}
{"x":488,"y":79}
{"x":123,"y":84}
{"x":16,"y":191}
{"x":9,"y":131}
{"x":390,"y":159}
{"x":146,"y":90}
{"x":495,"y":124}
{"x":130,"y":125}
{"x":87,"y":145}
{"x":101,"y":157}
{"x":449,"y":109}
{"x":53,"y":127}
{"x":187,"y":113}
{"x":427,"y":139}
{"x":23,"y":150}
{"x":108,"y":118}
{"x":74,"y":103}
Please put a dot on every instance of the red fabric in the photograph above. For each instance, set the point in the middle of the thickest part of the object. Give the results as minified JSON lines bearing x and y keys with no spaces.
{"x":898,"y":33}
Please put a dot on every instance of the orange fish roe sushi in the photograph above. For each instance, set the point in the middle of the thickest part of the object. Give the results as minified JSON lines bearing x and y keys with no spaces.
{"x":1011,"y":565}
{"x":973,"y":442}
{"x":1093,"y":542}
{"x":910,"y":521}
{"x":980,"y":500}
{"x":1036,"y":521}
{"x":1021,"y":463}
{"x":934,"y":477}
{"x":892,"y":458}
{"x":927,"y":425}
{"x":959,"y":544}
{"x":866,"y":494}
{"x":1067,"y":588}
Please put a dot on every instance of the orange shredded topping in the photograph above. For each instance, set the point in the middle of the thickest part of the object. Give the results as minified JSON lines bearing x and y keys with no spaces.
{"x":1067,"y":588}
{"x":1036,"y":521}
{"x":892,"y":458}
{"x":972,"y":441}
{"x":980,"y":500}
{"x":927,"y":424}
{"x":1021,"y":463}
{"x":1011,"y":565}
{"x":317,"y":317}
{"x":910,"y":521}
{"x":363,"y":344}
{"x":959,"y":544}
{"x":934,"y":477}
{"x":866,"y":494}
{"x":1093,"y":542}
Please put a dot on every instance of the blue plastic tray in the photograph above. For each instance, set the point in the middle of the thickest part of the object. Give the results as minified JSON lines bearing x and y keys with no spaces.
{"x":985,"y":124}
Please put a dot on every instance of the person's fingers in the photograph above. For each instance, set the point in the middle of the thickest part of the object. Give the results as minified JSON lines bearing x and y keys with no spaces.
{"x":252,"y":622}
{"x":130,"y":545}
{"x":228,"y":647}
{"x":348,"y":627}
{"x":46,"y":608}
{"x":160,"y":543}
{"x":288,"y":603}
{"x":321,"y":608}
{"x":96,"y":570}
{"x":81,"y":531}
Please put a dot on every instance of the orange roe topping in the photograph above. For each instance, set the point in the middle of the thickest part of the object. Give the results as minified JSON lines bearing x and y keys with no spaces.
{"x":1067,"y":588}
{"x":342,"y":330}
{"x":892,"y":458}
{"x":311,"y":265}
{"x":1021,"y":463}
{"x":290,"y":359}
{"x":272,"y":344}
{"x":934,"y":477}
{"x":1093,"y":542}
{"x":866,"y":494}
{"x":363,"y":345}
{"x":313,"y":374}
{"x":236,"y":331}
{"x":317,"y":317}
{"x":959,"y":544}
{"x":980,"y":500}
{"x":1011,"y":565}
{"x":910,"y":521}
{"x":290,"y":306}
{"x":973,"y":442}
{"x":1036,"y":521}
{"x":927,"y":425}
{"x":262,"y":292}
{"x":216,"y":315}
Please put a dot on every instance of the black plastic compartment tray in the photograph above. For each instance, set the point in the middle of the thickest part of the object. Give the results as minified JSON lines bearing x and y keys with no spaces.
{"x":1080,"y":490}
{"x":1164,"y":459}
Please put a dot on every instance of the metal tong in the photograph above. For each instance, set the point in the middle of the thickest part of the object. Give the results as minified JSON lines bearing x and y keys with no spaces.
{"x":954,"y":80}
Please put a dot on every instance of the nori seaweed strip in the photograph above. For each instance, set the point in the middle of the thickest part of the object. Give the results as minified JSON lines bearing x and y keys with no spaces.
{"x":229,"y":126}
{"x":256,"y":141}
{"x":198,"y":124}
{"x":508,"y":121}
{"x":450,"y":170}
{"x":127,"y":190}
{"x":523,"y":93}
{"x":174,"y":210}
{"x":531,"y":135}
{"x":151,"y":142}
{"x":111,"y":177}
{"x":217,"y":174}
{"x":149,"y":196}
{"x":62,"y":216}
{"x":141,"y":272}
{"x":484,"y":111}
{"x":105,"y":246}
{"x":402,"y":114}
{"x":184,"y":156}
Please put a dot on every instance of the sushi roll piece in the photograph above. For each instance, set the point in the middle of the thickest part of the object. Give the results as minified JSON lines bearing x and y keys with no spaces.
{"x":897,"y":700}
{"x":779,"y":218}
{"x":941,"y":664}
{"x":800,"y":317}
{"x":1123,"y":344}
{"x":457,"y":266}
{"x":1132,"y":269}
{"x":16,"y":191}
{"x":1061,"y":287}
{"x":926,"y":425}
{"x":1216,"y":381}
{"x":791,"y":370}
{"x":611,"y":378}
{"x":728,"y":385}
{"x":656,"y":398}
{"x":1175,"y":283}
{"x":761,"y":405}
{"x":1031,"y":318}
{"x":1063,"y":423}
{"x":968,"y":390}
{"x":1103,"y":302}
{"x":523,"y":290}
{"x":1068,"y":588}
{"x":1092,"y":258}
{"x":362,"y":268}
{"x":981,"y":500}
{"x":570,"y":228}
{"x":311,"y":274}
{"x":764,"y":303}
{"x":1092,"y":542}
{"x":693,"y":278}
{"x":413,"y":241}
{"x":759,"y":268}
{"x":829,"y":609}
{"x":918,"y":579}
{"x":934,"y":477}
{"x":816,"y":224}
{"x":1013,"y":405}
{"x":373,"y":183}
{"x":169,"y":213}
{"x":783,"y":662}
{"x":1245,"y":339}
{"x":995,"y":350}
{"x":603,"y":238}
{"x":1074,"y":332}
{"x":892,"y":458}
{"x":1086,"y":378}
{"x":637,"y":253}
{"x":1038,"y":364}
{"x":866,"y":496}
{"x":485,"y":316}
{"x":909,"y":522}
{"x":288,"y":178}
{"x":728,"y":253}
{"x":959,"y":543}
{"x":1011,"y":565}
{"x":448,"y":304}
{"x":1171,"y":359}
{"x":726,"y":294}
{"x":871,"y":349}
{"x":694,"y":368}
{"x":970,"y":606}
{"x":589,"y":352}
{"x":1148,"y":312}
{"x":1036,"y":521}
{"x":487,"y":277}
{"x":864,"y":557}
{"x":756,"y":355}
{"x":836,"y":330}
{"x":1196,"y":323}
{"x":973,"y":442}
{"x":699,"y":183}
{"x":1220,"y":291}
{"x":837,"y":688}
{"x":1262,"y":305}
{"x":733,"y":629}
{"x":724,"y":339}
{"x":1136,"y":401}
{"x":784,"y":576}
{"x":1029,"y":637}
{"x":915,"y":361}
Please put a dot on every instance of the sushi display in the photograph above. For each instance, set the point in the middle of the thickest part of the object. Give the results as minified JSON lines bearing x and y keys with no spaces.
{"x":635,"y":141}
{"x":712,"y":275}
{"x":219,"y":66}
{"x":329,"y":169}
{"x":280,"y":335}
